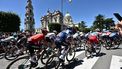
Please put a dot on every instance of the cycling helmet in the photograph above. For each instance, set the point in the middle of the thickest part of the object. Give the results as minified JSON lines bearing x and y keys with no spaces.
{"x":54,"y":31}
{"x":97,"y":30}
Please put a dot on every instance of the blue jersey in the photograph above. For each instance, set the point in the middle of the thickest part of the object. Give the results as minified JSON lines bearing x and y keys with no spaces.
{"x":63,"y":35}
{"x":113,"y":34}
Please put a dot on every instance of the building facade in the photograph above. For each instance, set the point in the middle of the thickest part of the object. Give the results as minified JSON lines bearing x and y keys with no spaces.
{"x":51,"y":17}
{"x":56,"y":17}
{"x":38,"y":30}
{"x":29,"y":17}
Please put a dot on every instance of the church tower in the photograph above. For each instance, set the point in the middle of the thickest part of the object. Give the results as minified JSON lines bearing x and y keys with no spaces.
{"x":29,"y":17}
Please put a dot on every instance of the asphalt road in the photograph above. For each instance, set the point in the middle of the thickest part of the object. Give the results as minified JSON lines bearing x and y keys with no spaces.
{"x":108,"y":59}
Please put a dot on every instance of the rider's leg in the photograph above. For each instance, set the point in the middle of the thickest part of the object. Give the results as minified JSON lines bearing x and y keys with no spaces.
{"x":64,"y":51}
{"x":31,"y":51}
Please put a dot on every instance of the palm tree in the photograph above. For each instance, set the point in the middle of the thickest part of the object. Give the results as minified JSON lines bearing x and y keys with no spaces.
{"x":99,"y":22}
{"x":109,"y":22}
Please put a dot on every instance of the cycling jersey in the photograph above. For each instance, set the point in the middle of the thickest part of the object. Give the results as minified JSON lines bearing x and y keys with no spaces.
{"x":93,"y":38}
{"x":62,"y":36}
{"x":36,"y":38}
{"x":75,"y":35}
{"x":94,"y":33}
{"x":9,"y":39}
{"x":112,"y":34}
{"x":50,"y":36}
{"x":108,"y":33}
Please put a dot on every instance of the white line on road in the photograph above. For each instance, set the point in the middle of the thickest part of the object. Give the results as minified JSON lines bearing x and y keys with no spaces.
{"x":87,"y":63}
{"x":116,"y":62}
{"x":77,"y":54}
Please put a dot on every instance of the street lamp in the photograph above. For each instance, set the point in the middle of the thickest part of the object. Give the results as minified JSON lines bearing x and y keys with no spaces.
{"x":62,"y":13}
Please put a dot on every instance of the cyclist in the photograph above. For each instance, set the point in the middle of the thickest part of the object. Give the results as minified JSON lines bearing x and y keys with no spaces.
{"x":76,"y":36}
{"x":77,"y":39}
{"x":34,"y":42}
{"x":21,"y":43}
{"x":10,"y":38}
{"x":93,"y":38}
{"x":62,"y":39}
{"x":50,"y":37}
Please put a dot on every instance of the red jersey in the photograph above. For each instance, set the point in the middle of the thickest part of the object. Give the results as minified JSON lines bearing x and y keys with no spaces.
{"x":93,"y":39}
{"x":36,"y":38}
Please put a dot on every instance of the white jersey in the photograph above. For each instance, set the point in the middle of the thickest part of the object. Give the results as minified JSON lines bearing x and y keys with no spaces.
{"x":9,"y":38}
{"x":50,"y":34}
{"x":75,"y":35}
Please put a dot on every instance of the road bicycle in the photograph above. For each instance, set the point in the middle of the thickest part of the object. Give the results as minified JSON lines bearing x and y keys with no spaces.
{"x":24,"y":62}
{"x":54,"y":61}
{"x":91,"y":48}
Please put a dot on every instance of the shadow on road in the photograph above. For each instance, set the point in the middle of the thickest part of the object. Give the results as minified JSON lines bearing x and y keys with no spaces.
{"x":115,"y":48}
{"x":77,"y":50}
{"x":76,"y":62}
{"x":70,"y":65}
{"x":73,"y":64}
{"x":101,"y":54}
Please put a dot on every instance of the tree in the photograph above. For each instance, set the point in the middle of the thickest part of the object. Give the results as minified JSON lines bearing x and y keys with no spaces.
{"x":86,"y":30}
{"x":99,"y":22}
{"x":54,"y":26}
{"x":109,"y":22}
{"x":82,"y":26}
{"x":9,"y":22}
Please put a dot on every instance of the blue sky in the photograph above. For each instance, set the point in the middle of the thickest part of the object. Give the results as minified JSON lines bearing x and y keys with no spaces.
{"x":80,"y":10}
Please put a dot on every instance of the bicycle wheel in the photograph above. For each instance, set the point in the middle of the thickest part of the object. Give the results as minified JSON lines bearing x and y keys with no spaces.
{"x":44,"y":56}
{"x":83,"y":43}
{"x":70,"y":55}
{"x":2,"y":52}
{"x":117,"y":43}
{"x":88,"y":51}
{"x":2,"y":55}
{"x":53,"y":62}
{"x":20,"y":63}
{"x":108,"y":44}
{"x":11,"y":54}
{"x":97,"y":48}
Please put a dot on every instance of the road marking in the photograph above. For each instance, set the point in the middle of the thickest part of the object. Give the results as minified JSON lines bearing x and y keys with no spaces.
{"x":77,"y":54}
{"x":87,"y":63}
{"x":116,"y":62}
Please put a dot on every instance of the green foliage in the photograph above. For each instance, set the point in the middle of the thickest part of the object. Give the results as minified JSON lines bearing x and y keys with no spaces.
{"x":54,"y":26}
{"x":82,"y":27}
{"x":9,"y":22}
{"x":99,"y":22}
{"x":109,"y":22}
{"x":102,"y":23}
{"x":86,"y":30}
